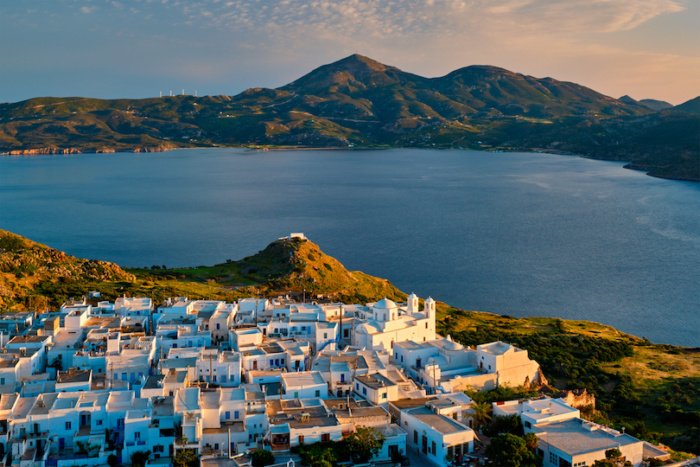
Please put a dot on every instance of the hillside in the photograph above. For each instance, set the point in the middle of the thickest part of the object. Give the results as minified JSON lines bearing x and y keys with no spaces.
{"x":360,"y":102}
{"x":35,"y":276}
{"x":692,"y":106}
{"x":30,"y":271}
{"x":286,"y":266}
{"x":652,"y":390}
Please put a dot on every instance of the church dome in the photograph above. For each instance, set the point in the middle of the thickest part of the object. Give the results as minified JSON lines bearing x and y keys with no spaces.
{"x":385,"y":304}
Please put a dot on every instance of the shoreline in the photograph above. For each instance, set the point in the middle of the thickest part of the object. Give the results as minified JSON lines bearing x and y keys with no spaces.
{"x":263,"y":148}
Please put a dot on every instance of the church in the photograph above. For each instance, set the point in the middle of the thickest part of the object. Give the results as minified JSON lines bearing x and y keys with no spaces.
{"x":386,"y":323}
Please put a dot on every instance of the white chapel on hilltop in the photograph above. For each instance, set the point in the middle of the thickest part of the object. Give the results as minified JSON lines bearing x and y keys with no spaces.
{"x":388,"y":323}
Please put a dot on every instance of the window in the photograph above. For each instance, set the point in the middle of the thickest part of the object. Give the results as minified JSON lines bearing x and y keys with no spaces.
{"x":137,"y":435}
{"x":2,"y":380}
{"x":301,"y":439}
{"x":218,"y":326}
{"x":325,"y":335}
{"x":415,"y":436}
{"x":553,"y":459}
{"x":383,"y":395}
{"x":580,"y":464}
{"x":364,"y":391}
{"x":296,"y":394}
{"x":434,"y":448}
{"x":357,"y":386}
{"x":426,"y":325}
{"x":227,"y":415}
{"x":235,"y":414}
{"x":317,"y":393}
{"x":325,"y":437}
{"x":68,"y":424}
{"x":98,"y":423}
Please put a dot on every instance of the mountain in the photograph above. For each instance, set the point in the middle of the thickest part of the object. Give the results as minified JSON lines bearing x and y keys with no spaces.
{"x":692,"y":106}
{"x":655,"y":104}
{"x":360,"y":102}
{"x":29,"y":271}
{"x":651,"y":104}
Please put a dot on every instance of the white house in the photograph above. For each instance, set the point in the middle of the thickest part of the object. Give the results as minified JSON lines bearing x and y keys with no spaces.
{"x":433,"y":437}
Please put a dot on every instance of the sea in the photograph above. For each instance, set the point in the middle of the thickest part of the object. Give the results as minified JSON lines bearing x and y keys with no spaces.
{"x":522,"y":234}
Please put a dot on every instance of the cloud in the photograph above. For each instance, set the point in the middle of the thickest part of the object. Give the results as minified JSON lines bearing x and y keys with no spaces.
{"x":378,"y":18}
{"x":88,"y":9}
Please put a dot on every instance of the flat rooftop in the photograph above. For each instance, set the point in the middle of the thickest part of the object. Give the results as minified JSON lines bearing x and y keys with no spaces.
{"x":73,"y":376}
{"x":302,"y":378}
{"x":441,"y":423}
{"x":578,"y":436}
{"x":375,"y":381}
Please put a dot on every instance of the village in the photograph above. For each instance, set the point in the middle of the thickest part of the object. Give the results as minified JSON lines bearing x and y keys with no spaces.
{"x":131,"y":382}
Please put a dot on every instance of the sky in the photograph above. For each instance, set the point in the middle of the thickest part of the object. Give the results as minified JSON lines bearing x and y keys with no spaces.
{"x":138,"y":48}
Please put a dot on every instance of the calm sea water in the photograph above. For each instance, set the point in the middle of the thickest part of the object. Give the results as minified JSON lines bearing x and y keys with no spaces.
{"x":519,"y":234}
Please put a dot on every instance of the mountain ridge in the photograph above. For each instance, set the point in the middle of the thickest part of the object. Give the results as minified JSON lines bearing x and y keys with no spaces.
{"x":360,"y":102}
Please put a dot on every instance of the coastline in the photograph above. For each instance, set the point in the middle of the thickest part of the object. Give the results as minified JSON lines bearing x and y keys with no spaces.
{"x":30,"y":152}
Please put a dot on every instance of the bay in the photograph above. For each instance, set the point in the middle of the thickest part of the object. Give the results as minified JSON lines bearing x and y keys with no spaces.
{"x":513,"y":233}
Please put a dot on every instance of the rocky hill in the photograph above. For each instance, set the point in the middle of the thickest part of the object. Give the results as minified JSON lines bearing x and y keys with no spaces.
{"x":287,"y":266}
{"x":360,"y":102}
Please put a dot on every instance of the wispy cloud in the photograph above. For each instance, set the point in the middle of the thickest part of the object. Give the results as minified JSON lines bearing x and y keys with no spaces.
{"x":387,"y":17}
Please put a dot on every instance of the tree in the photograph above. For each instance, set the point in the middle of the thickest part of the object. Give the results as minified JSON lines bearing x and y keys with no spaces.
{"x":481,"y":413}
{"x":318,"y":454}
{"x":613,"y":458}
{"x":504,"y":424}
{"x":186,"y":458}
{"x":509,"y":450}
{"x":139,"y":458}
{"x":531,"y":441}
{"x":364,"y":444}
{"x":261,"y":458}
